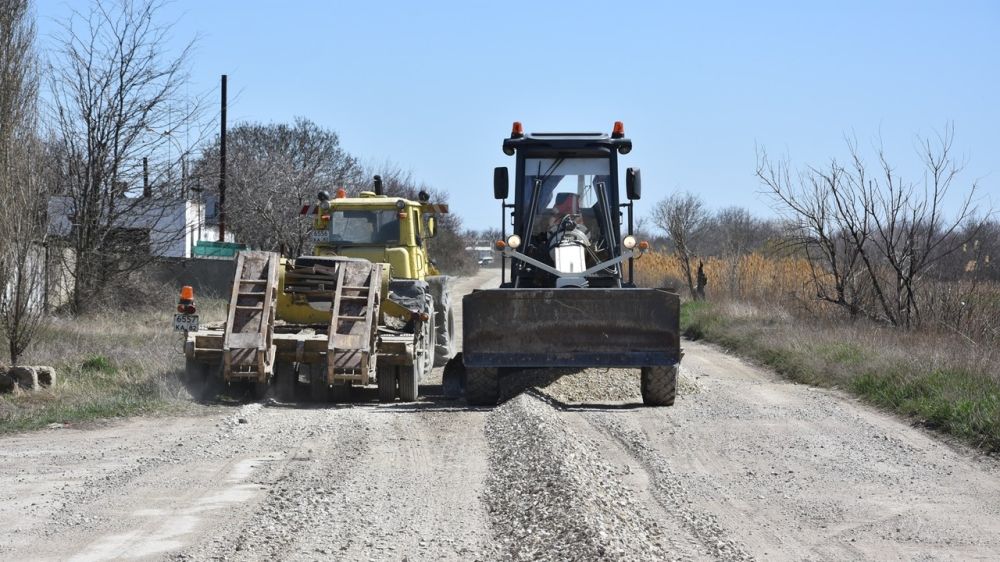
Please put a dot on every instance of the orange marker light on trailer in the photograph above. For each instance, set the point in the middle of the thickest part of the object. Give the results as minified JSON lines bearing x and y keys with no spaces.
{"x":516,"y":130}
{"x":185,"y":305}
{"x":618,"y":131}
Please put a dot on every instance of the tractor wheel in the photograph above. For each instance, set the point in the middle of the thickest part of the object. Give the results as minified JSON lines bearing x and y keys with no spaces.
{"x":285,"y":383}
{"x":409,"y":383}
{"x":427,"y":339}
{"x":444,"y":338}
{"x":659,"y":385}
{"x":453,"y":378}
{"x":319,"y":390}
{"x":482,"y":386}
{"x":386,"y":383}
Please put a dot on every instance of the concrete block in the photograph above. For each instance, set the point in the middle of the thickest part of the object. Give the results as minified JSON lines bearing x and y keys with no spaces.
{"x":46,"y":376}
{"x":6,"y":383}
{"x":26,"y":377}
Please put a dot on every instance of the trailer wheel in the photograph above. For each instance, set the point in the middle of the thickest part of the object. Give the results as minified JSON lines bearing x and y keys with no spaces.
{"x":196,"y":371}
{"x":341,"y":392}
{"x":482,"y":386}
{"x":285,"y":383}
{"x":408,"y":383}
{"x":204,"y":380}
{"x":319,"y":390}
{"x":386,"y":383}
{"x":659,"y":385}
{"x":259,"y":389}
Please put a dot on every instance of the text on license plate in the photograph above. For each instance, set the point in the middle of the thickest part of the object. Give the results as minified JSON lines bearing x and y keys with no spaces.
{"x":185,"y":322}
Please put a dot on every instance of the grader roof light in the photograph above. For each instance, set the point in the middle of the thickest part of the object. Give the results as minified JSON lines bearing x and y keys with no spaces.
{"x":618,"y":131}
{"x":516,"y":130}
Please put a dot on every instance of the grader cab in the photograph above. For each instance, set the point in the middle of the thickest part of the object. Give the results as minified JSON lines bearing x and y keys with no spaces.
{"x":567,"y":297}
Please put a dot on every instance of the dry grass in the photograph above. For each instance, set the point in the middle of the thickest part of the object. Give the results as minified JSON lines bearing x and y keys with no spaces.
{"x":753,"y":276}
{"x":108,"y":364}
{"x":945,"y":375}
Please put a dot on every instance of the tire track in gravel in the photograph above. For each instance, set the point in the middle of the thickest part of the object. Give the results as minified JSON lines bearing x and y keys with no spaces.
{"x":668,"y":488}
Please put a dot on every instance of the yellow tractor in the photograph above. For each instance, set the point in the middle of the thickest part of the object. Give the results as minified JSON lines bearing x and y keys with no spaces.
{"x":368,"y":306}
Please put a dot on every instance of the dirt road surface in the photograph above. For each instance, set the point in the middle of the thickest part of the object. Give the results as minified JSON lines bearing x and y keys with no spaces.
{"x":745,"y":466}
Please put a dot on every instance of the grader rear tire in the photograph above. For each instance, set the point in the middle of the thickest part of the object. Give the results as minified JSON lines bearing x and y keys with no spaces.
{"x":482,"y":386}
{"x":659,"y":385}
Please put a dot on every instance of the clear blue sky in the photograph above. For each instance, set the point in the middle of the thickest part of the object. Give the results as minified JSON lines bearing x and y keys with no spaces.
{"x":434,"y":86}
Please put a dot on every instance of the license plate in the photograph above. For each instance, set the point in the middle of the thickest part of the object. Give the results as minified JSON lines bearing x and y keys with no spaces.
{"x":185,"y":322}
{"x":321,"y":236}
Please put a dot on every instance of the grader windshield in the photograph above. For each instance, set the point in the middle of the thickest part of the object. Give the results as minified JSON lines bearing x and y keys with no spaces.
{"x":577,"y":188}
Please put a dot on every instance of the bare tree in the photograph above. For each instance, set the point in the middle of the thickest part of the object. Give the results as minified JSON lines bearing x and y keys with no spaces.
{"x":116,"y":100}
{"x":873,"y":239}
{"x":272,"y":171}
{"x":22,"y":189}
{"x":682,"y":216}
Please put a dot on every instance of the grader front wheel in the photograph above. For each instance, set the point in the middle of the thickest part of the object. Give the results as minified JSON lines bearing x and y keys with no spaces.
{"x":482,"y":386}
{"x":659,"y":385}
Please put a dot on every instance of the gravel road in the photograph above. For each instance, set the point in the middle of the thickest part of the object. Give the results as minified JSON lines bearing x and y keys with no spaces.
{"x":745,"y":466}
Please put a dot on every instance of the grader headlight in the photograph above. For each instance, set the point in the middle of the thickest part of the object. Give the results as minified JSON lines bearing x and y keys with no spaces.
{"x":514,"y":241}
{"x":629,"y":242}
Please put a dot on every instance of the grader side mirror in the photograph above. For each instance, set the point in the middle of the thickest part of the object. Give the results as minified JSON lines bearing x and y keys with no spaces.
{"x":633,"y":184}
{"x":431,"y":227}
{"x":501,"y":183}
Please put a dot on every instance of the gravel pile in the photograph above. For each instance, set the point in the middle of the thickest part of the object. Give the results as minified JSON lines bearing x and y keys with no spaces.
{"x":589,"y":386}
{"x":551,"y":497}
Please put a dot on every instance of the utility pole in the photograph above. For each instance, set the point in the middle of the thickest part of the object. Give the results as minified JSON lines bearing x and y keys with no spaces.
{"x":222,"y":167}
{"x":146,"y":190}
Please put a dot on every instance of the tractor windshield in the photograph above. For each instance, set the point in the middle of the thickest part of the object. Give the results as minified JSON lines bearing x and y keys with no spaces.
{"x":364,"y":227}
{"x":557,"y":188}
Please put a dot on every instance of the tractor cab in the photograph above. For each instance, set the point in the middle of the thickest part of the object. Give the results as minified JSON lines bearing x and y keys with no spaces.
{"x":567,"y":229}
{"x":378,"y":228}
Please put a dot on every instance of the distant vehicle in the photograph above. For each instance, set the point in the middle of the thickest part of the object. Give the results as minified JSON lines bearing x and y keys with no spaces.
{"x":483,"y":254}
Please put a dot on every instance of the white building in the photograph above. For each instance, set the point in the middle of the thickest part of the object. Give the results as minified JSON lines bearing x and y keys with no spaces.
{"x":173,"y":227}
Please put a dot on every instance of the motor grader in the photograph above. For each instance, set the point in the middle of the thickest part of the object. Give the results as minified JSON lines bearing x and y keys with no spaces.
{"x":567,"y":296}
{"x":368,"y":306}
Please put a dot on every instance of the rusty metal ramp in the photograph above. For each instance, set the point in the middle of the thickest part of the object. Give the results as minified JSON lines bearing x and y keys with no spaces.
{"x":570,"y":328}
{"x":248,"y":342}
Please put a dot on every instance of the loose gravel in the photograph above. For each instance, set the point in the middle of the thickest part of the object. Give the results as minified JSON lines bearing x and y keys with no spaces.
{"x":551,"y":496}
